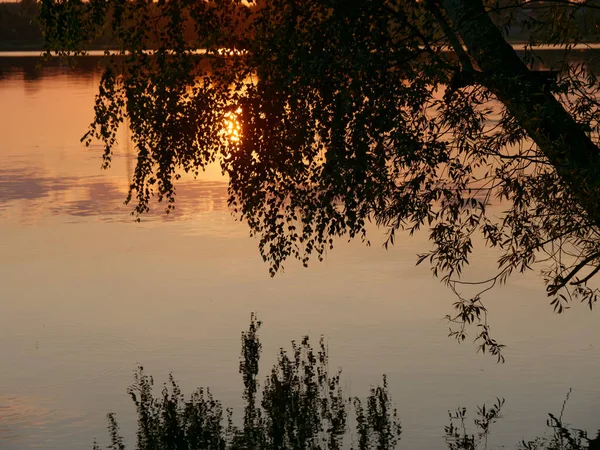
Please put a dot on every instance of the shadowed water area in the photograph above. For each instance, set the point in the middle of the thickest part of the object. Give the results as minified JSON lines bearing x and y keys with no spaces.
{"x":88,"y":295}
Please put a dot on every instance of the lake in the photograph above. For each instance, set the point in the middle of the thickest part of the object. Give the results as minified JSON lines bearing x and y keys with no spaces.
{"x":88,"y":295}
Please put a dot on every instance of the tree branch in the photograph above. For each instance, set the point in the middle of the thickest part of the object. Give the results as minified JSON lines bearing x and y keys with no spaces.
{"x":457,"y":46}
{"x":564,"y":142}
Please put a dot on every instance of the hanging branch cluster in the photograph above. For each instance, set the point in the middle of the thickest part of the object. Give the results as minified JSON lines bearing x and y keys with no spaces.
{"x":411,"y":114}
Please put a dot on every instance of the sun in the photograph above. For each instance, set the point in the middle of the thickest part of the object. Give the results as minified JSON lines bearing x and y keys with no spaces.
{"x":231,"y":126}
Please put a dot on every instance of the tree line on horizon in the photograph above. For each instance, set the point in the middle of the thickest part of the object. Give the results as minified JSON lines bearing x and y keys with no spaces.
{"x":20,"y":28}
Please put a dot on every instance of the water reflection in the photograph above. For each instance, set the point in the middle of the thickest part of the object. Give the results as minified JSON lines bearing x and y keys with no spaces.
{"x":27,"y":197}
{"x":21,"y":412}
{"x":46,"y":172}
{"x":65,"y":180}
{"x":93,"y":196}
{"x":304,"y":406}
{"x":31,"y":67}
{"x":177,"y":294}
{"x":31,"y":417}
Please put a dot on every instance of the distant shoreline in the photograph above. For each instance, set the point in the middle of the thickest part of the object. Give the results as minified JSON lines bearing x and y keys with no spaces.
{"x":36,"y":49}
{"x":10,"y":47}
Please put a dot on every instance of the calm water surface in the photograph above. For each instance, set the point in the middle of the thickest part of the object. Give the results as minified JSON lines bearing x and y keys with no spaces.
{"x":87,"y":295}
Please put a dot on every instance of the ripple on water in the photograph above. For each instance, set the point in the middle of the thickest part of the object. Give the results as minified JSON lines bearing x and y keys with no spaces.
{"x":50,"y":364}
{"x":30,"y":421}
{"x":54,"y":356}
{"x":19,"y":415}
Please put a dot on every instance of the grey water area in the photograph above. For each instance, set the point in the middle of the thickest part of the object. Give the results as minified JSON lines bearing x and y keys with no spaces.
{"x":87,"y":295}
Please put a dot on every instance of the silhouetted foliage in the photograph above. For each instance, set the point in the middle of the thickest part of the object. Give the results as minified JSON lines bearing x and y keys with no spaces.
{"x":457,"y":435}
{"x":19,"y":27}
{"x":302,"y":407}
{"x":328,"y":115}
{"x":562,"y":437}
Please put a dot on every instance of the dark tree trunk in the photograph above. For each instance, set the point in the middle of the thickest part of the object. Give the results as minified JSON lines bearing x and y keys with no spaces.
{"x":564,"y":142}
